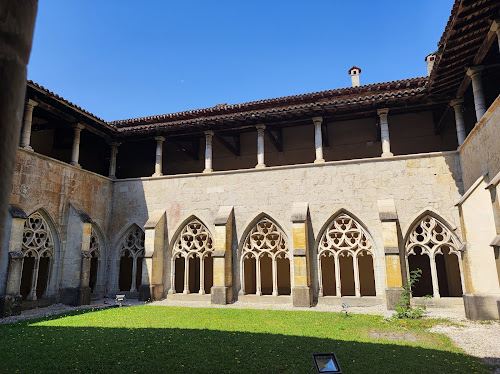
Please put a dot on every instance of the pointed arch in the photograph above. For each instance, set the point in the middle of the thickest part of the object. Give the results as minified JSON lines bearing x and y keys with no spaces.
{"x":130,"y":257}
{"x":98,"y":259}
{"x":346,"y":254}
{"x":265,"y":258}
{"x":191,"y":260}
{"x":40,"y":248}
{"x":432,"y":247}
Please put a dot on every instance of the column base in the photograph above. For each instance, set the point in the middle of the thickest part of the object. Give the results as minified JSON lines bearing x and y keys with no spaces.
{"x":260,"y":166}
{"x":75,"y":164}
{"x":112,"y":176}
{"x":387,"y":154}
{"x":319,"y":161}
{"x":392,"y":297}
{"x":10,"y":305}
{"x":150,"y":292}
{"x":157,"y":175}
{"x":302,"y":296}
{"x":221,"y":295}
{"x":208,"y":171}
{"x":481,"y":306}
{"x":27,"y":148}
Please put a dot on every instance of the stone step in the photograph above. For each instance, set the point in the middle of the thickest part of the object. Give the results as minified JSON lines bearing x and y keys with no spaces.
{"x":351,"y":300}
{"x":441,"y":302}
{"x":265,"y":299}
{"x":189,"y":297}
{"x":33,"y":304}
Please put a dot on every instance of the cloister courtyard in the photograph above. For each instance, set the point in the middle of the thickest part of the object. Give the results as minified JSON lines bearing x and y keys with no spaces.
{"x":159,"y":338}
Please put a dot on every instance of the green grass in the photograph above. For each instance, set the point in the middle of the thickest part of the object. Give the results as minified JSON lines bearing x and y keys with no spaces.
{"x":154,"y":339}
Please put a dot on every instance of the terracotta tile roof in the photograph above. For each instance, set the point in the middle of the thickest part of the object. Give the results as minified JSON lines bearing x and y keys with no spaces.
{"x":343,"y":96}
{"x":68,"y":103}
{"x":464,"y":36}
{"x":332,"y":99}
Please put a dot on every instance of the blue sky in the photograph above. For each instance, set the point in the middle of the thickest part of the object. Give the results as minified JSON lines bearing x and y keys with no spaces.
{"x":127,"y":58}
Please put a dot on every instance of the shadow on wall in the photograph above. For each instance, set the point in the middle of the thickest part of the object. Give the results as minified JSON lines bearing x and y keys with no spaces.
{"x":126,"y":256}
{"x":139,"y":349}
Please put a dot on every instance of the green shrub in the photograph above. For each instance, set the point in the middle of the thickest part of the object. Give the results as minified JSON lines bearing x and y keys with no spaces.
{"x":403,"y":307}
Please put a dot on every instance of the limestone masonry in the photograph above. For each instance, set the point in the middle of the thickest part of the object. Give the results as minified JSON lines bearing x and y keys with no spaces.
{"x":322,"y":198}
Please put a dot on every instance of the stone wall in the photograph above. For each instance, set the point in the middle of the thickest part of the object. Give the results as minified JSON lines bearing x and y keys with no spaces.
{"x":480,"y":152}
{"x":416,"y":183}
{"x":59,"y":188}
{"x":42,"y":182}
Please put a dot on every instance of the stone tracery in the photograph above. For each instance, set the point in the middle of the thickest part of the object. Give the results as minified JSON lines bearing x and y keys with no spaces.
{"x":131,"y":255}
{"x":38,"y":250}
{"x":345,"y":238}
{"x":95,"y":257}
{"x":195,"y":246}
{"x":434,"y":249}
{"x":265,"y":240}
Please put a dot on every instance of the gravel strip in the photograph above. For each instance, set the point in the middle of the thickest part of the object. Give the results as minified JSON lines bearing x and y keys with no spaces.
{"x":480,"y":339}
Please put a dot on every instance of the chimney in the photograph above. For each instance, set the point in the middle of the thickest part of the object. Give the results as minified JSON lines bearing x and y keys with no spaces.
{"x":430,"y":59}
{"x":354,"y":73}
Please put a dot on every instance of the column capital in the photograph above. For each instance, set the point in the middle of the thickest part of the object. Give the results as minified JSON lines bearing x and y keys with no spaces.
{"x":382,"y":112}
{"x":115,"y":144}
{"x":260,"y":127}
{"x":474,"y":70}
{"x":209,"y":133}
{"x":160,"y":138}
{"x":317,"y":120}
{"x":78,"y":126}
{"x":31,"y":103}
{"x":455,"y":102}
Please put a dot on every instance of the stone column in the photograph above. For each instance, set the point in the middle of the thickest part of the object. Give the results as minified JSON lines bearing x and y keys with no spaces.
{"x":258,"y":277}
{"x":477,"y":89}
{"x":152,"y":265}
{"x":459,"y":120}
{"x":357,"y":283}
{"x":34,"y":280}
{"x":28,"y":118}
{"x":389,"y":219}
{"x":260,"y":146}
{"x":112,"y":159}
{"x":186,"y":276}
{"x":202,"y":276}
{"x":318,"y":139}
{"x":222,"y":289}
{"x":338,"y":284}
{"x":434,"y":276}
{"x":301,"y":292}
{"x":159,"y":156}
{"x":84,"y":290}
{"x":133,"y":287}
{"x":384,"y":131}
{"x":208,"y":151}
{"x":75,"y":154}
{"x":275,"y":275}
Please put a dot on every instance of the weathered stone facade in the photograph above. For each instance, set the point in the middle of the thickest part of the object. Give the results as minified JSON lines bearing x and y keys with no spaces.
{"x":316,"y":198}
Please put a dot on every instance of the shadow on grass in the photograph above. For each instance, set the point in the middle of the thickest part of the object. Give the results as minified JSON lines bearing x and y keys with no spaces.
{"x":29,"y":348}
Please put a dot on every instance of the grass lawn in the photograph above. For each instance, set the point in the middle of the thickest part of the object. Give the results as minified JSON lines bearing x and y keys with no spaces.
{"x":154,"y":339}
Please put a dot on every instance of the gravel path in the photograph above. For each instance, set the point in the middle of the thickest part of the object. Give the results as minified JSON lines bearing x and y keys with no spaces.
{"x":480,"y":339}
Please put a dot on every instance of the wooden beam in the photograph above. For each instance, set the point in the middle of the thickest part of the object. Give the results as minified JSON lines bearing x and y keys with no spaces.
{"x":56,"y":112}
{"x":480,"y":55}
{"x":234,"y":149}
{"x":277,"y":139}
